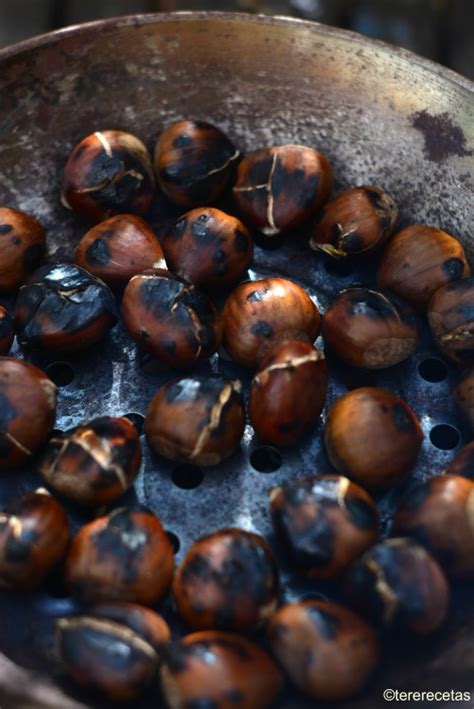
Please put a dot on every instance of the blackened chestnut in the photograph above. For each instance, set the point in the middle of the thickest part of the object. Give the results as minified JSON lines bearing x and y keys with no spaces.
{"x":34,"y":533}
{"x":323,"y":523}
{"x":464,"y":396}
{"x":451,"y":319}
{"x":27,"y":411}
{"x":63,"y":309}
{"x":328,"y":651}
{"x":141,"y":620}
{"x":372,"y":436}
{"x":23,"y":247}
{"x":124,"y":556}
{"x":462,"y":463}
{"x":7,"y":331}
{"x":209,"y":248}
{"x":198,"y":420}
{"x":277,"y":189}
{"x":108,"y":172}
{"x":194,"y":161}
{"x":287,"y":394}
{"x":370,"y":328}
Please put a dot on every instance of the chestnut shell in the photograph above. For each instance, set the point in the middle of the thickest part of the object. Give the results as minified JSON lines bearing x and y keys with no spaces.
{"x":23,"y":247}
{"x":7,"y":331}
{"x":451,"y":319}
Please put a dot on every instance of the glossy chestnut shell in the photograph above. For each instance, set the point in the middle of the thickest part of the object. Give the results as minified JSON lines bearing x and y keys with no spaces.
{"x":23,"y":247}
{"x":141,"y":620}
{"x":451,"y":319}
{"x":464,"y":396}
{"x":7,"y":331}
{"x":462,"y":463}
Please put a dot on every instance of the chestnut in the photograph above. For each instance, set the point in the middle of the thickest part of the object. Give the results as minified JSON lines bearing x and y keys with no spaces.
{"x":328,"y":651}
{"x":451,"y":319}
{"x":208,"y":248}
{"x":119,"y":248}
{"x":63,"y":308}
{"x":462,"y":463}
{"x":400,"y":586}
{"x":280,"y":188}
{"x":219,"y":670}
{"x":370,"y":328}
{"x":439,"y":514}
{"x":357,"y":221}
{"x":124,"y":556}
{"x":464,"y":396}
{"x":23,"y":244}
{"x":34,"y":533}
{"x":287,"y":394}
{"x":373,"y":436}
{"x":198,"y":420}
{"x":260,"y":312}
{"x":7,"y":331}
{"x":419,"y":260}
{"x":95,"y":463}
{"x":194,"y":161}
{"x":323,"y":522}
{"x":108,"y":172}
{"x":170,"y":318}
{"x":27,"y":411}
{"x":150,"y":626}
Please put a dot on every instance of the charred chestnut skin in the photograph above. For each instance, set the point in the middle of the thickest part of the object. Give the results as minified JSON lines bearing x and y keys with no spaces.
{"x":328,"y":651}
{"x":451,"y":319}
{"x":95,"y":463}
{"x":124,"y":556}
{"x":208,"y":248}
{"x":259,"y":313}
{"x":141,"y":620}
{"x":198,"y":420}
{"x":373,"y":437}
{"x":219,"y":670}
{"x":7,"y":331}
{"x":419,"y":260}
{"x":194,"y":162}
{"x":34,"y":533}
{"x":399,"y":585}
{"x":462,"y":463}
{"x":23,"y":247}
{"x":108,"y":172}
{"x":119,"y":248}
{"x":63,"y":308}
{"x":464,"y":396}
{"x":280,"y":188}
{"x":27,"y":411}
{"x":170,"y":318}
{"x":287,"y":394}
{"x":323,"y":522}
{"x":369,"y":328}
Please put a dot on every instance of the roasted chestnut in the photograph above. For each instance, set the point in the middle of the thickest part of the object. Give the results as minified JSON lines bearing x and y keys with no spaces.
{"x":370,"y":328}
{"x":209,"y":248}
{"x":170,"y":318}
{"x":194,"y":162}
{"x":463,"y":463}
{"x":372,"y":436}
{"x":323,"y":523}
{"x":358,"y":221}
{"x":124,"y":556}
{"x":328,"y":651}
{"x":63,"y":309}
{"x":287,"y":395}
{"x":451,"y":319}
{"x":419,"y":260}
{"x":261,"y":312}
{"x":198,"y":420}
{"x":119,"y":248}
{"x":34,"y":532}
{"x":23,"y":243}
{"x":464,"y":396}
{"x":27,"y":411}
{"x":219,"y":670}
{"x":108,"y":172}
{"x":7,"y":331}
{"x":277,"y":189}
{"x":95,"y":463}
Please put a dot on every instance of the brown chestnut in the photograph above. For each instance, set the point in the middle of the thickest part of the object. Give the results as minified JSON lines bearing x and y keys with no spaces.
{"x":34,"y":533}
{"x":419,"y":260}
{"x":287,"y":395}
{"x":170,"y":318}
{"x":451,"y":319}
{"x":198,"y":420}
{"x":95,"y":463}
{"x":328,"y":651}
{"x":141,"y":620}
{"x":23,"y":244}
{"x":358,"y":221}
{"x":370,"y":328}
{"x":260,"y":312}
{"x":462,"y":463}
{"x":124,"y":556}
{"x":208,"y":248}
{"x":277,"y":189}
{"x":7,"y":331}
{"x":372,"y":436}
{"x":194,"y":161}
{"x":108,"y":172}
{"x":323,"y":523}
{"x":464,"y":396}
{"x":27,"y":411}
